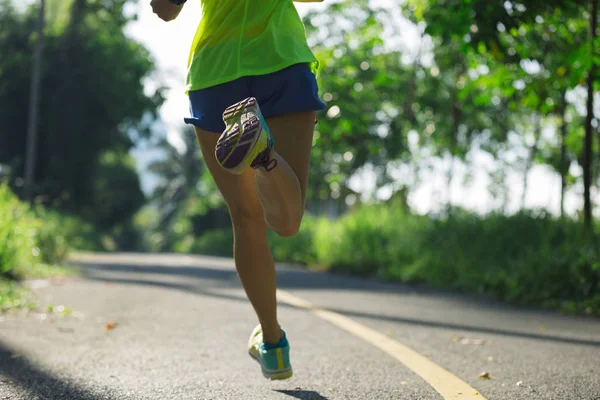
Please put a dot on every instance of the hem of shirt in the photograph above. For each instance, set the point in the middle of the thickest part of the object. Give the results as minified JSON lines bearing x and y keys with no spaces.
{"x":205,"y":85}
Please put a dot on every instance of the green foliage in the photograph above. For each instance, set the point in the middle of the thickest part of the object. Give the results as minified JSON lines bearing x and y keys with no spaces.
{"x":92,"y":107}
{"x":482,"y":76}
{"x":117,"y":194}
{"x":18,"y":231}
{"x":525,"y":258}
{"x":60,"y":233}
{"x":32,"y":239}
{"x":527,"y":56}
{"x":300,"y":250}
{"x":361,"y":83}
{"x":185,"y":202}
{"x":11,"y":295}
{"x":218,"y":242}
{"x":52,"y":238}
{"x":528,"y":258}
{"x":371,"y":240}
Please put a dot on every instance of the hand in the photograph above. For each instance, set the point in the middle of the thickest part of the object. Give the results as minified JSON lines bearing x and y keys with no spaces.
{"x":165,"y":10}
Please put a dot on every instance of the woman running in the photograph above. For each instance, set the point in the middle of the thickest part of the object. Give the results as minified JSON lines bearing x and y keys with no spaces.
{"x":253,"y":97}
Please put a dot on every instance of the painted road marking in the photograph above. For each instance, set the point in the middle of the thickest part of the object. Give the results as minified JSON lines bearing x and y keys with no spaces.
{"x":449,"y":386}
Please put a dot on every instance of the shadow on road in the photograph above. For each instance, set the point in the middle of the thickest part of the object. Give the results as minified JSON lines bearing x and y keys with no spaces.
{"x":289,"y":279}
{"x":286,"y":277}
{"x":38,"y":383}
{"x":189,"y":288}
{"x":302,"y":394}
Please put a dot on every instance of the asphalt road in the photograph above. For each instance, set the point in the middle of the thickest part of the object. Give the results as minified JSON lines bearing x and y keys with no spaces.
{"x":181,"y":324}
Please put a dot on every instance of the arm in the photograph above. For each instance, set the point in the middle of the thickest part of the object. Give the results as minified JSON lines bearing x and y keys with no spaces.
{"x":166,"y":10}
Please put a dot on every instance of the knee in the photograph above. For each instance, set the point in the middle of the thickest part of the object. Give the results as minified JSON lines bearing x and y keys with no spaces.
{"x":286,"y":231}
{"x":286,"y":227}
{"x":246,"y":215}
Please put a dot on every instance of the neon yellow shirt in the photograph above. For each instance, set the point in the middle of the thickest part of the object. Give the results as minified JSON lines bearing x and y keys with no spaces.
{"x":238,"y":38}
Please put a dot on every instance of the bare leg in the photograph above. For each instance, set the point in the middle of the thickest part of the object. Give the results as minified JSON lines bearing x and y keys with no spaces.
{"x":253,"y":258}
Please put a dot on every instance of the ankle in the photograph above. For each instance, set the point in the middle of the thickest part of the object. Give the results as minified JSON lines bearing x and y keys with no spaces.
{"x":273,"y":336}
{"x":281,"y":344}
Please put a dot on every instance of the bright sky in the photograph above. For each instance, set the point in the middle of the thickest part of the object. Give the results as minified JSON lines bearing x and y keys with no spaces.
{"x":169,"y":44}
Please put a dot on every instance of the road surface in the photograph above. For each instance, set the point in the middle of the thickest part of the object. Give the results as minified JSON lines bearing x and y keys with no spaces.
{"x":175,"y":327}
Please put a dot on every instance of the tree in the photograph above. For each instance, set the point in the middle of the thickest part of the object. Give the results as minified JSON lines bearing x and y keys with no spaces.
{"x":93,"y":103}
{"x":186,"y":197}
{"x":179,"y":171}
{"x":358,"y":83}
{"x":379,"y":96}
{"x":549,"y":36}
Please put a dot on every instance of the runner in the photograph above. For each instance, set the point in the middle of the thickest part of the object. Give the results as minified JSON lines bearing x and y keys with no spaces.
{"x":253,"y":97}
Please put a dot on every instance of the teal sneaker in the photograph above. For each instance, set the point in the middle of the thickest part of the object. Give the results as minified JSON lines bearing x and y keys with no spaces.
{"x":274,"y":360}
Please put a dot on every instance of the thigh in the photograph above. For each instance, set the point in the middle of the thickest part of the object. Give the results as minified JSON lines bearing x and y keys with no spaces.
{"x":289,"y":100}
{"x":238,"y":191}
{"x":293,"y":134}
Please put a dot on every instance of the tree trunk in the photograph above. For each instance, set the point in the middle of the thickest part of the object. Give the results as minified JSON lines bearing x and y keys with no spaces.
{"x":587,"y":147}
{"x":456,"y":121}
{"x":34,"y":96}
{"x":537,"y":133}
{"x":449,"y":178}
{"x":563,"y":167}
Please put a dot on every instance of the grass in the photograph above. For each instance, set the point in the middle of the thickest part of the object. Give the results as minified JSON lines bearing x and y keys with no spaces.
{"x":45,"y":271}
{"x":12,"y":295}
{"x":34,"y":242}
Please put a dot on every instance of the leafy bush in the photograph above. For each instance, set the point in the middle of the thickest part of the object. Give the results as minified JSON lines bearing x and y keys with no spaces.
{"x":529,"y":258}
{"x":18,"y":231}
{"x":31,"y":237}
{"x":61,"y":232}
{"x":300,"y":249}
{"x":11,"y":295}
{"x":51,"y":238}
{"x":217,"y":242}
{"x":370,"y":240}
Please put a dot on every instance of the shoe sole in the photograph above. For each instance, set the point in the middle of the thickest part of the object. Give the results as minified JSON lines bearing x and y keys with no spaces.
{"x":240,"y":136}
{"x":274,"y":376}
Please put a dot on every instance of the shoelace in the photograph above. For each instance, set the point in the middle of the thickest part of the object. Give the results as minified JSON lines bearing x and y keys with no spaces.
{"x":271,"y":164}
{"x":263,"y":160}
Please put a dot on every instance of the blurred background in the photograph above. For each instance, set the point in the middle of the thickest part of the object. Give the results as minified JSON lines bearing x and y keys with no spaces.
{"x":460,"y":146}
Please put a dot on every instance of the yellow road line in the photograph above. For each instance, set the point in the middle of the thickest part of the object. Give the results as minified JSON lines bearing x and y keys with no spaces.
{"x":446,"y":384}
